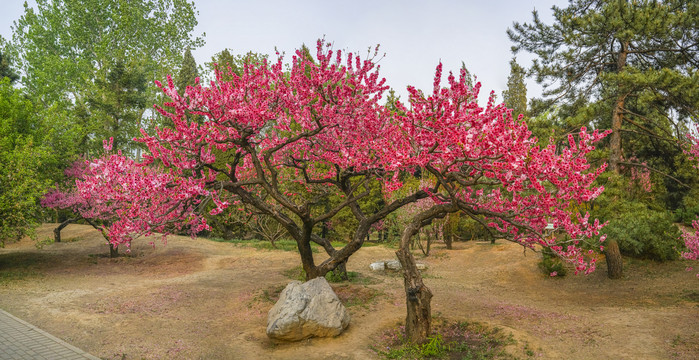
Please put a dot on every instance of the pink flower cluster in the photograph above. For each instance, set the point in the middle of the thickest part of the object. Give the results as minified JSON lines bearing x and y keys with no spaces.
{"x":488,"y":164}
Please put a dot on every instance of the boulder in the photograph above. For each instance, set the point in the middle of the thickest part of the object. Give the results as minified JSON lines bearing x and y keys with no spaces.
{"x":306,"y":310}
{"x":392,"y":265}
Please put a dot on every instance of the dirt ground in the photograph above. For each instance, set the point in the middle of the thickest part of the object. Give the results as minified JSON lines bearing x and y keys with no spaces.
{"x":199,"y":299}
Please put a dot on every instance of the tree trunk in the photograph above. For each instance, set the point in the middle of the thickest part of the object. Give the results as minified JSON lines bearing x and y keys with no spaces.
{"x":113,"y":251}
{"x":448,"y":236}
{"x":614,"y":261}
{"x":307,"y":260}
{"x":617,"y":116}
{"x":57,"y":230}
{"x":417,"y":296}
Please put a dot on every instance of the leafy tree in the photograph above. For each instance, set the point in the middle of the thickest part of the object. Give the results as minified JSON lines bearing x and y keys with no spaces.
{"x":119,"y":103}
{"x":485,"y":165}
{"x":22,"y":164}
{"x":627,"y":66}
{"x":515,"y":97}
{"x":66,"y":49}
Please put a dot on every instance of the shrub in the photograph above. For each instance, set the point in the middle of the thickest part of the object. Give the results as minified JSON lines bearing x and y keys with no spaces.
{"x":551,"y":265}
{"x":645,"y":233}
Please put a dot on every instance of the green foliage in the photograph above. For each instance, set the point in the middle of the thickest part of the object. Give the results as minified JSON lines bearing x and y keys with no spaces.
{"x":5,"y":70}
{"x":459,"y":340}
{"x":629,"y":66}
{"x":188,"y":72}
{"x":68,"y":49}
{"x":22,"y":180}
{"x":224,"y":60}
{"x":550,"y":264}
{"x":118,"y":104}
{"x":515,"y":97}
{"x":689,"y":210}
{"x":434,"y":347}
{"x":637,"y":221}
{"x":645,"y":233}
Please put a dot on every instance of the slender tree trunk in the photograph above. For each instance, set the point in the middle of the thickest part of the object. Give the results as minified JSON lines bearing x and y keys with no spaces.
{"x":448,"y":233}
{"x":612,"y":255}
{"x":614,"y":260}
{"x":617,"y":116}
{"x":57,"y":230}
{"x":418,"y":296}
{"x":113,"y":251}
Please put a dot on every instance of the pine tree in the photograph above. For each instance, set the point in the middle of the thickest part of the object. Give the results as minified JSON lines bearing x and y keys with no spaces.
{"x":637,"y":60}
{"x":626,"y":65}
{"x":224,"y":60}
{"x":515,"y":97}
{"x":6,"y":70}
{"x":119,"y":103}
{"x":188,"y":72}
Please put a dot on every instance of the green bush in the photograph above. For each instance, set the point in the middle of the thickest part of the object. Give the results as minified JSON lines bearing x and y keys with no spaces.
{"x":551,"y":265}
{"x":645,"y":233}
{"x":689,"y":209}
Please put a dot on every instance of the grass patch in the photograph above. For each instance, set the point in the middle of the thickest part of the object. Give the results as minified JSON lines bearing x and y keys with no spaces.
{"x":10,"y":276}
{"x":271,"y":294}
{"x":355,"y":295}
{"x":19,"y":266}
{"x":449,"y":340}
{"x":295,"y":273}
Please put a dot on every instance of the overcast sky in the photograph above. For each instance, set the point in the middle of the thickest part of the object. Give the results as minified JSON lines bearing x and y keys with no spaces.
{"x":414,"y":35}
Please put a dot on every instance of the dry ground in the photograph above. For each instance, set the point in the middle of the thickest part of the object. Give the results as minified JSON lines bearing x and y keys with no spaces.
{"x":198,"y":299}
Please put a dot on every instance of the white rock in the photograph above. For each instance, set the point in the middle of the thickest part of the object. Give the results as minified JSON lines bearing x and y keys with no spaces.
{"x":306,"y":310}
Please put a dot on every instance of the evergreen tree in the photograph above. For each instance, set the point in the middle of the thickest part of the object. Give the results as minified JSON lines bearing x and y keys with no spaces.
{"x":6,"y":70}
{"x":515,"y":97}
{"x":630,"y":66}
{"x":119,"y":103}
{"x":224,"y":60}
{"x":188,"y":72}
{"x":626,"y":65}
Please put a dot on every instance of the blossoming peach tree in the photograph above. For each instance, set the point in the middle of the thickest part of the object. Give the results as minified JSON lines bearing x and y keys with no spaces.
{"x":123,"y":199}
{"x":282,"y":141}
{"x":486,"y":165}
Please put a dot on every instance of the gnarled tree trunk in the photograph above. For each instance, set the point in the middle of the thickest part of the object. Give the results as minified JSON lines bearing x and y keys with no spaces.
{"x":57,"y":230}
{"x":113,"y":251}
{"x":614,"y":260}
{"x":417,"y":296}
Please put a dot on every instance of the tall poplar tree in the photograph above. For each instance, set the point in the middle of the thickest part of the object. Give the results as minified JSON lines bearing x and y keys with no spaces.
{"x":65,"y":49}
{"x":188,"y":71}
{"x":515,"y":97}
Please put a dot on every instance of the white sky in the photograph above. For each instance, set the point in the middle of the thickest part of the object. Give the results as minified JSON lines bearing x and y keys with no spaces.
{"x":415,"y":35}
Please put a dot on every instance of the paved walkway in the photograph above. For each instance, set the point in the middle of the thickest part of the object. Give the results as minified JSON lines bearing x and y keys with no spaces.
{"x":23,"y":341}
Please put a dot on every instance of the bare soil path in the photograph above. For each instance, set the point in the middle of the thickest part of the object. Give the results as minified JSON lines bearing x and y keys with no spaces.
{"x":198,"y":299}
